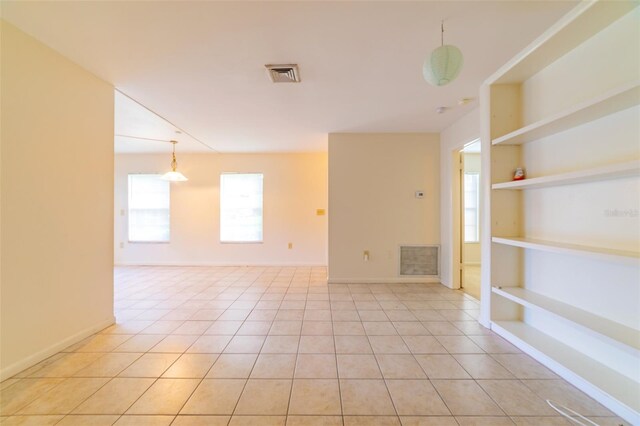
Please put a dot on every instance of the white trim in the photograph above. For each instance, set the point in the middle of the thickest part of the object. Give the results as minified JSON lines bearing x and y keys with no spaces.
{"x":210,"y":263}
{"x":485,"y":207}
{"x":32,"y":360}
{"x":392,"y":280}
{"x":242,"y":242}
{"x":147,"y":242}
{"x":465,"y":131}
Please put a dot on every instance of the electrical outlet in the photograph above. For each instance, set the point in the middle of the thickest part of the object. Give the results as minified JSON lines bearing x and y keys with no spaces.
{"x":365,"y":255}
{"x":121,"y":245}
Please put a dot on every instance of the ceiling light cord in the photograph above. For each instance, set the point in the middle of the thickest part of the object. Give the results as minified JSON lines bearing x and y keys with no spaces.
{"x":442,"y":33}
{"x":174,"y":175}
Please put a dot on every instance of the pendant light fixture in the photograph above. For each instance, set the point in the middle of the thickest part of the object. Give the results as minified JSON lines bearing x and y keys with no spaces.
{"x":444,"y":63}
{"x":174,"y":175}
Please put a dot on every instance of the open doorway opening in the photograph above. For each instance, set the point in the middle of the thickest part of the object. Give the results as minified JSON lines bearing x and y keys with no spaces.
{"x":470,"y":219}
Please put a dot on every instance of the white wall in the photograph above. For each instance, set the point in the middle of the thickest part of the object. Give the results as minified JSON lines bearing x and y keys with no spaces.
{"x":452,"y":139}
{"x":57,"y":204}
{"x":295,"y":186}
{"x":372,"y":204}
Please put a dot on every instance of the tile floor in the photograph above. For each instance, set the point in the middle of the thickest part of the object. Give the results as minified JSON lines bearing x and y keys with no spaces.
{"x":275,"y":346}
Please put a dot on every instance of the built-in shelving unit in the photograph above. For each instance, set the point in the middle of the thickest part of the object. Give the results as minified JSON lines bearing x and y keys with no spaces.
{"x":613,"y":101}
{"x":574,"y":307}
{"x":616,"y":332}
{"x":612,"y":171}
{"x":596,"y":253}
{"x":575,"y":365}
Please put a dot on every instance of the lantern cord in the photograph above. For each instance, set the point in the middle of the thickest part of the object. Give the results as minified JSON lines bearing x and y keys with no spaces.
{"x":441,"y":33}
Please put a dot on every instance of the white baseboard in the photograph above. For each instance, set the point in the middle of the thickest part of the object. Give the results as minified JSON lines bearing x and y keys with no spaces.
{"x":447,"y":284}
{"x":393,"y":280}
{"x":207,"y":263}
{"x":32,"y":360}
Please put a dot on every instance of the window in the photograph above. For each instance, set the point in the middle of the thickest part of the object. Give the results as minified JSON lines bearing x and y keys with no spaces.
{"x":241,"y":207}
{"x":471,"y":207}
{"x":148,"y":209}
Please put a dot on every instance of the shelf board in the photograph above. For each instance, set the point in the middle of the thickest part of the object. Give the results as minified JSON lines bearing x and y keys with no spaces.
{"x":614,"y":332}
{"x":564,"y":359}
{"x":613,"y":101}
{"x":611,"y":171}
{"x":581,"y":23}
{"x":598,"y":253}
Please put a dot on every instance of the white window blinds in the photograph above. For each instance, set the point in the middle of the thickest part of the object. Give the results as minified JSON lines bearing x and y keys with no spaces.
{"x":148,"y":208}
{"x":241,"y":207}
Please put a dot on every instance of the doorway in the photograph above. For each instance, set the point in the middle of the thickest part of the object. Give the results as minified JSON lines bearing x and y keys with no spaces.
{"x":470,"y":231}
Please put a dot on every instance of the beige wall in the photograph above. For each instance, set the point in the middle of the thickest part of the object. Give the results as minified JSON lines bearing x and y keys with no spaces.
{"x":57,"y":204}
{"x":295,"y":186}
{"x":452,"y":139}
{"x":372,"y":204}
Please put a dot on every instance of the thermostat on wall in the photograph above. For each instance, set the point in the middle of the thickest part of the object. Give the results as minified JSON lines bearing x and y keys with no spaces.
{"x":419,"y":194}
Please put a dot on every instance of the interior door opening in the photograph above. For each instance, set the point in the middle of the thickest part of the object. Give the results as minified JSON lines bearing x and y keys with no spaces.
{"x":470,"y":232}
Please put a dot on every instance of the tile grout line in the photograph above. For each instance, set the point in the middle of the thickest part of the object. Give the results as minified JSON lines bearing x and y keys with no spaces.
{"x":295,"y":362}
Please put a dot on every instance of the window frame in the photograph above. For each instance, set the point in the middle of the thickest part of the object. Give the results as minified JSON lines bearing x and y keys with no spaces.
{"x":221,"y":241}
{"x":129,"y":240}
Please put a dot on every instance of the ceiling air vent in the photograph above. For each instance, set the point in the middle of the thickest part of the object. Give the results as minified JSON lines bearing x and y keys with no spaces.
{"x":283,"y":73}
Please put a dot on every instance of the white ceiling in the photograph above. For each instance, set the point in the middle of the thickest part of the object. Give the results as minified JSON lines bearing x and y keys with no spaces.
{"x":139,"y":130}
{"x":200,"y":64}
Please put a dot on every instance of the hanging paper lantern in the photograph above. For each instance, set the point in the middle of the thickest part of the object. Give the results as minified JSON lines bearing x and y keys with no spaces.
{"x":443,"y":65}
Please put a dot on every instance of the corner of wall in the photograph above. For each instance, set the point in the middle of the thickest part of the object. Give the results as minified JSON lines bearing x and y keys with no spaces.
{"x":454,"y":137}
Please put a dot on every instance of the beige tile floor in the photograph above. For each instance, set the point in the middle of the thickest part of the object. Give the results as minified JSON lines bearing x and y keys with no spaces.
{"x":275,"y":346}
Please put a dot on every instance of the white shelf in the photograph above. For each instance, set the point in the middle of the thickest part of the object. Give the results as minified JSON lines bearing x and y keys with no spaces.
{"x":581,"y":23}
{"x":615,"y":332}
{"x":572,"y":364}
{"x":612,"y":171}
{"x":598,"y":253}
{"x":613,"y":101}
